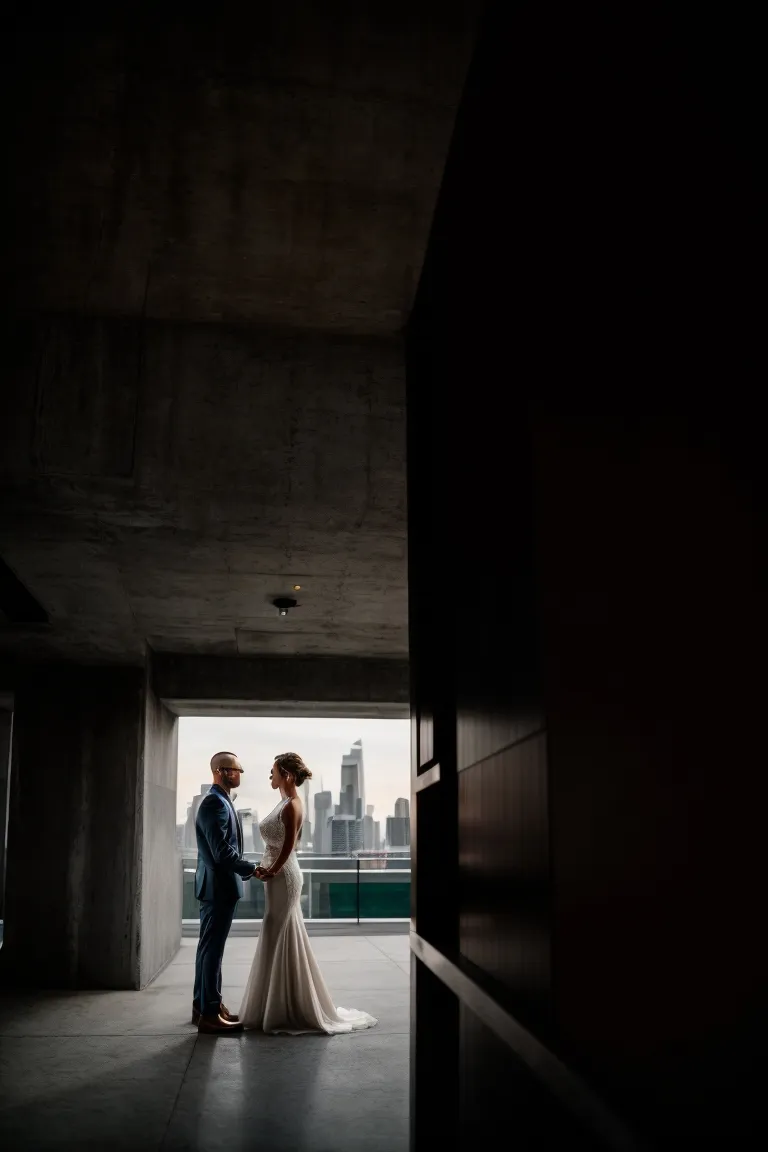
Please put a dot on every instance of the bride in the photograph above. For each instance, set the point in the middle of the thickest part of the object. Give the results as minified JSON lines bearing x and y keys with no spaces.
{"x":285,"y":990}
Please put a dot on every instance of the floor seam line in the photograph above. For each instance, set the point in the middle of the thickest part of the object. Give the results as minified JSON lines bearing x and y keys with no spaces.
{"x":368,"y":938}
{"x":178,"y":1094}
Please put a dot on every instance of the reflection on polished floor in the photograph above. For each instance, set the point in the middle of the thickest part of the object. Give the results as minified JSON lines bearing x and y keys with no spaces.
{"x":126,"y":1070}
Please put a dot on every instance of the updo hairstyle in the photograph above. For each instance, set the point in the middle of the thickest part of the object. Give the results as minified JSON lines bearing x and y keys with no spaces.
{"x":291,"y":764}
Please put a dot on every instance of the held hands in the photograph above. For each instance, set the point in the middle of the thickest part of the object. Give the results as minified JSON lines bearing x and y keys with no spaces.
{"x":262,"y":873}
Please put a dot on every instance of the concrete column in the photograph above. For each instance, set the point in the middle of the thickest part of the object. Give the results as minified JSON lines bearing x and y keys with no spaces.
{"x":161,"y":879}
{"x":75,"y":829}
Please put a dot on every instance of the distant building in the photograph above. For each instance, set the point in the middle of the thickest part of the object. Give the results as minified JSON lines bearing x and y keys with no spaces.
{"x":346,"y":835}
{"x":398,"y":832}
{"x":402,"y":809}
{"x":321,"y":843}
{"x":352,"y":798}
{"x":369,"y":829}
{"x":305,"y":836}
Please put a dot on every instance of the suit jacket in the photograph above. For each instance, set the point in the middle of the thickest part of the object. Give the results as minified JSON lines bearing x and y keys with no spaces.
{"x":220,"y":866}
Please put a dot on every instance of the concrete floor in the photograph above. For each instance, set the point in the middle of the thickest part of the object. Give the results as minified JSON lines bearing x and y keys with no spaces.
{"x":126,"y":1070}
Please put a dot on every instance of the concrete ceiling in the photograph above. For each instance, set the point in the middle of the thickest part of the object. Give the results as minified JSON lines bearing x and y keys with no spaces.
{"x":278,"y":165}
{"x":166,"y":483}
{"x":220,"y":230}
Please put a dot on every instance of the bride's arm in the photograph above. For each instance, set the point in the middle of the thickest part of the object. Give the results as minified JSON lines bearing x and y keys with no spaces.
{"x":290,"y":818}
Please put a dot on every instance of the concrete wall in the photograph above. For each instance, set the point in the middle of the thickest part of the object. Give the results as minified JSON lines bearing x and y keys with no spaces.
{"x":327,"y":685}
{"x":74,"y":829}
{"x":161,"y":886}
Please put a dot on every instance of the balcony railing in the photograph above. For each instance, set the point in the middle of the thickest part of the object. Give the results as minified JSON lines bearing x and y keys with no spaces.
{"x":352,"y":888}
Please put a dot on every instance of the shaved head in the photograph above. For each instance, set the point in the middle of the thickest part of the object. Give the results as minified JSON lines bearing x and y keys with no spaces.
{"x":223,"y":760}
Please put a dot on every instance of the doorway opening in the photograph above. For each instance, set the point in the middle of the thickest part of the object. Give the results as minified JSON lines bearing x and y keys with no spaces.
{"x":354,"y":848}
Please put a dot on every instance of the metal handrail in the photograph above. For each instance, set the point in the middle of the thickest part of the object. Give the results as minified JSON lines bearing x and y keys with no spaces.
{"x":345,"y":876}
{"x":351,"y":872}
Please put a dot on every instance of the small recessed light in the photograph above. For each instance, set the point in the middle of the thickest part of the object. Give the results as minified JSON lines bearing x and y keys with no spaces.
{"x":297,"y":587}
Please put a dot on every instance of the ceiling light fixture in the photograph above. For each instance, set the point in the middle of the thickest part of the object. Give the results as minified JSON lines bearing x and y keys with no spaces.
{"x":297,"y":587}
{"x":283,"y":603}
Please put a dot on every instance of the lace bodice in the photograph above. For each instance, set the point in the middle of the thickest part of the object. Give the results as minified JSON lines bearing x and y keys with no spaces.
{"x":273,"y":834}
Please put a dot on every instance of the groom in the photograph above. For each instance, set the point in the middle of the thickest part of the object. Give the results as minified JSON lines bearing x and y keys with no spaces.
{"x":218,"y":886}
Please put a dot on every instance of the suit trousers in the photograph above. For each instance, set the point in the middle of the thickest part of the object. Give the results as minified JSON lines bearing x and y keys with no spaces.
{"x":215,"y":922}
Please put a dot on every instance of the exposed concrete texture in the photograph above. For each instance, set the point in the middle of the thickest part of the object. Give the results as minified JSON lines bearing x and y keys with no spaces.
{"x":161,"y":881}
{"x":220,"y":224}
{"x":127,"y":1070}
{"x":74,"y":829}
{"x":189,"y":683}
{"x":165,"y":483}
{"x":273,"y":164}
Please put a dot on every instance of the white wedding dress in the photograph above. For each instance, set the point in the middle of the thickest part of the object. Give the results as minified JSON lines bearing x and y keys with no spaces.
{"x":285,"y":990}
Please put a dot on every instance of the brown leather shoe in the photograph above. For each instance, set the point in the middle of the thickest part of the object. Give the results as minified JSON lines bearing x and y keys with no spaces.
{"x":223,"y":1012}
{"x":218,"y":1026}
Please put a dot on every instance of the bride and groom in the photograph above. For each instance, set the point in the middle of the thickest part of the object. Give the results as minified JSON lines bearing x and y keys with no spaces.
{"x":285,"y":991}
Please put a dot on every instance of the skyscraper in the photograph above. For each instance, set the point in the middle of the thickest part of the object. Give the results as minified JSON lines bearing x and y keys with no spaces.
{"x":346,"y":835}
{"x":305,"y":835}
{"x":399,"y":827}
{"x":353,"y":782}
{"x":346,"y":805}
{"x":402,"y":809}
{"x":369,"y":831}
{"x":323,"y":811}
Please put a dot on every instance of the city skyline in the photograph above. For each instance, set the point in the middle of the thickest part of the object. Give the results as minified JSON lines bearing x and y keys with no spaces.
{"x":325,"y":744}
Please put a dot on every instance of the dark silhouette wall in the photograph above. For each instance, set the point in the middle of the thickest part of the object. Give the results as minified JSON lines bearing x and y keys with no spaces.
{"x":586,"y":616}
{"x":74,"y":835}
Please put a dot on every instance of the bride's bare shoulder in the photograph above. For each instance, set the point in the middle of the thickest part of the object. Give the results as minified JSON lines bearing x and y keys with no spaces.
{"x":293,"y":810}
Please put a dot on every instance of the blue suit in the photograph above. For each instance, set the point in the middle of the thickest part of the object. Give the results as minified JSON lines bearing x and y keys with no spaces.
{"x":218,"y":886}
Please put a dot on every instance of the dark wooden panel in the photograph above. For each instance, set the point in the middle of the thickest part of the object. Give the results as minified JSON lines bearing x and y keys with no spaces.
{"x":483,"y":732}
{"x":505,"y":876}
{"x":582,"y":348}
{"x":503,"y":1102}
{"x":434,"y":864}
{"x":656,"y":698}
{"x":426,"y":738}
{"x":434,"y":1061}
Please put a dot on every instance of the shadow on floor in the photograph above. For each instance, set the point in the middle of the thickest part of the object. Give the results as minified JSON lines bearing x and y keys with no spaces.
{"x":126,"y":1070}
